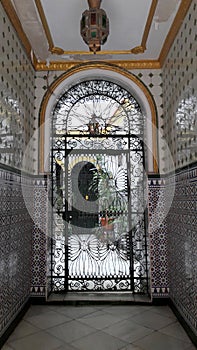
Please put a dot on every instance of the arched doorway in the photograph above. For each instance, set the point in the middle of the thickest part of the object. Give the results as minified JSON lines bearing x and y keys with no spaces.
{"x":99,"y":244}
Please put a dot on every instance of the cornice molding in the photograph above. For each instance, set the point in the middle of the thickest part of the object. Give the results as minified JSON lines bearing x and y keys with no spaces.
{"x":65,"y":65}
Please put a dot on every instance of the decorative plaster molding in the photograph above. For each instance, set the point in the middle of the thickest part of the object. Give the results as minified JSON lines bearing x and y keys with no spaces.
{"x":60,"y":51}
{"x":127,"y":64}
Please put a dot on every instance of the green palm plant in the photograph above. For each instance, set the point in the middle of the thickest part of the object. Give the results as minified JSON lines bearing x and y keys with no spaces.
{"x":111,"y":197}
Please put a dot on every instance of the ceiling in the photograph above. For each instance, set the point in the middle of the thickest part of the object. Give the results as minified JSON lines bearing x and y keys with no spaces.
{"x":141,"y":31}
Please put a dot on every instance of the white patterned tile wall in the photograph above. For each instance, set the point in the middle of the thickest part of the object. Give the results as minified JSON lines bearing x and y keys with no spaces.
{"x":153,"y":80}
{"x":180,"y":93}
{"x":16,"y":100}
{"x":43,"y":80}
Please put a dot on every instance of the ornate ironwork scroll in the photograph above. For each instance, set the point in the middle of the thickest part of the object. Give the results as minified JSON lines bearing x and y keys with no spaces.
{"x":99,"y":241}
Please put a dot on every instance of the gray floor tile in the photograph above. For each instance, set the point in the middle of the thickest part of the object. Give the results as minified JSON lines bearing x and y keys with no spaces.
{"x":40,"y":341}
{"x":99,"y":341}
{"x":159,"y":341}
{"x":22,"y":330}
{"x":125,"y":311}
{"x":191,"y":347}
{"x":99,"y":327}
{"x":66,"y":347}
{"x":177,"y":331}
{"x":100,"y":319}
{"x":128,"y":330}
{"x":35,"y":310}
{"x":73,"y":312}
{"x":131,"y":347}
{"x":6,"y":347}
{"x":152,"y":320}
{"x":164,"y":311}
{"x":71,"y":331}
{"x":48,"y":319}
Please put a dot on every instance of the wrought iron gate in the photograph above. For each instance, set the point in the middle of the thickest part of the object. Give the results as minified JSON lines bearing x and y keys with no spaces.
{"x":99,"y":221}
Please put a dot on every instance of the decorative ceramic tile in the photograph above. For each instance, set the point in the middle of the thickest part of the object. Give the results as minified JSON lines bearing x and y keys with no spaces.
{"x":15,"y":248}
{"x":182,"y":245}
{"x":158,"y":238}
{"x":39,"y":237}
{"x":179,"y":93}
{"x":16,"y":100}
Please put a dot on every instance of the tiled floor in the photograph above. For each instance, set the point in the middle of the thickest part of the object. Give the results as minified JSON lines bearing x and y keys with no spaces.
{"x":103,"y":327}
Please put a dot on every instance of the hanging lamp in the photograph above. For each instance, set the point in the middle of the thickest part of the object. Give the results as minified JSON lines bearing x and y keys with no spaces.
{"x":94,"y":26}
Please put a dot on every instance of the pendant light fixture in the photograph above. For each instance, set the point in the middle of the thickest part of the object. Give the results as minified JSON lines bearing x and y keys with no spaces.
{"x":94,"y":26}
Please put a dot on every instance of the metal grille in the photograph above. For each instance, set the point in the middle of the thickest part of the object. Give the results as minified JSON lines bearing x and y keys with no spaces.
{"x":97,"y":157}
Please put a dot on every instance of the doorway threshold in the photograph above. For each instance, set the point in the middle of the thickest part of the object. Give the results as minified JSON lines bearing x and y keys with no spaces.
{"x":99,"y":298}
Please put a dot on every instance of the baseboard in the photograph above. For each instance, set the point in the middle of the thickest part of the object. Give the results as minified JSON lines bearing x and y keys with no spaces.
{"x":184,"y":324}
{"x":98,"y":298}
{"x":160,"y":301}
{"x":14,"y":323}
{"x":38,"y":300}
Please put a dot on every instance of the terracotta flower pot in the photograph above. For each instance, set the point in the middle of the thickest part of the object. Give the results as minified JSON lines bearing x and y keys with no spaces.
{"x":107,"y":223}
{"x":104,"y":221}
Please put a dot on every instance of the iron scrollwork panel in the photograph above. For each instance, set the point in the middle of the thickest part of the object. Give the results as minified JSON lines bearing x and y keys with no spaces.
{"x":93,"y":122}
{"x":99,"y":257}
{"x":138,"y":215}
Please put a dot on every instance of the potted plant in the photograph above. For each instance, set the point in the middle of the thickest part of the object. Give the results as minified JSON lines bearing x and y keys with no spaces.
{"x":112,"y":199}
{"x":107,"y":222}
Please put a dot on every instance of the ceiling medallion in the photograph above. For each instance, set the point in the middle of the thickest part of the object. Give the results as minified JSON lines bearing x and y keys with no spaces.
{"x":94,"y":26}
